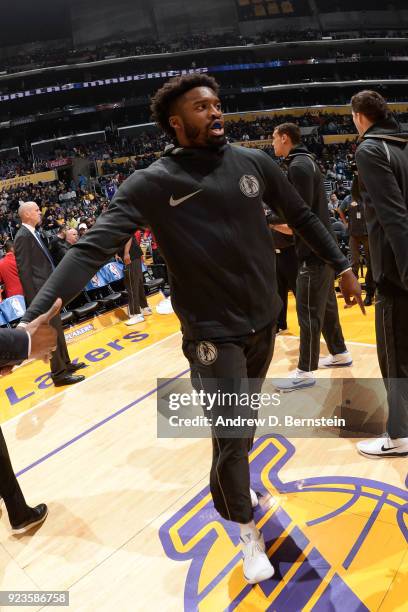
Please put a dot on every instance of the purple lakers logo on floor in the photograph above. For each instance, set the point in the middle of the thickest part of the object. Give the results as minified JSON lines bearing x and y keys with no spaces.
{"x":337,"y":543}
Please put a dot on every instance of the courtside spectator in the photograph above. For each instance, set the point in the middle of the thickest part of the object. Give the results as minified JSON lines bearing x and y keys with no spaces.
{"x":71,"y":236}
{"x":58,"y":245}
{"x":9,"y":273}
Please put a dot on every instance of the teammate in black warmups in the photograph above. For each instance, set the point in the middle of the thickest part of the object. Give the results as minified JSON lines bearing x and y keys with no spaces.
{"x":316,"y":302}
{"x":382,"y":164}
{"x":203,"y":202}
{"x":353,"y":207}
{"x":286,"y":264}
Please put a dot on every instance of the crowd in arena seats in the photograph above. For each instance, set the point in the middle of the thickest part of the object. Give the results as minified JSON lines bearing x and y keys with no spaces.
{"x":118,"y":146}
{"x":19,"y":166}
{"x":262,"y":128}
{"x":109,"y":166}
{"x":76,"y":204}
{"x":72,"y":204}
{"x":123,"y":48}
{"x":59,"y":203}
{"x":145,"y":145}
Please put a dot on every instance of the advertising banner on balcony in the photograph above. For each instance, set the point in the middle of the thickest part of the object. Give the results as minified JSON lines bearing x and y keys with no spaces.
{"x":58,"y":163}
{"x":38,"y":177}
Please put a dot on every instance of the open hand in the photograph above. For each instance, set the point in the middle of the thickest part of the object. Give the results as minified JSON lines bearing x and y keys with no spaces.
{"x":351,"y":290}
{"x":43,"y":336}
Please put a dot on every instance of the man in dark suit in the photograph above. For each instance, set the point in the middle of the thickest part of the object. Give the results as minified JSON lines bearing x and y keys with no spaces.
{"x":36,"y":340}
{"x":35,"y":265}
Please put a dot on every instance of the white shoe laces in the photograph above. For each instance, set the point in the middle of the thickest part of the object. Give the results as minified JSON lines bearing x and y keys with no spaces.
{"x":255,"y":549}
{"x":252,"y":548}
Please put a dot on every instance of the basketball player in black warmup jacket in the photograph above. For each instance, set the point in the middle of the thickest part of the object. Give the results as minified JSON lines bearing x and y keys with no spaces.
{"x":203,"y":201}
{"x":382,"y":163}
{"x":316,"y":301}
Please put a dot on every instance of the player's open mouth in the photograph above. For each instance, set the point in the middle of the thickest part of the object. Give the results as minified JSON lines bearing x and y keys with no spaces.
{"x":217,"y":129}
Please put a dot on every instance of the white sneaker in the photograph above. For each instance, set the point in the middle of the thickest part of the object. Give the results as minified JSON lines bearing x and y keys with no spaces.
{"x":341,"y":360}
{"x":147,"y":311}
{"x":254,"y":498}
{"x":165,"y":307}
{"x":384,"y":447}
{"x":135,"y":319}
{"x":257,"y":566}
{"x":298,"y":379}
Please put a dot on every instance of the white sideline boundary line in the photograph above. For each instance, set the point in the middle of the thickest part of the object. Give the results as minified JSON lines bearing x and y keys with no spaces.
{"x":76,"y":386}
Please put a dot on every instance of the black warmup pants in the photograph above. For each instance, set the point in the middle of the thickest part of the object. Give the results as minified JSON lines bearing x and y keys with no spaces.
{"x":391,"y":326}
{"x":134,"y":286}
{"x":236,"y":359}
{"x":160,"y":268}
{"x":60,"y":357}
{"x":286,"y":273}
{"x":9,"y":488}
{"x":317,"y":311}
{"x":355,"y":242}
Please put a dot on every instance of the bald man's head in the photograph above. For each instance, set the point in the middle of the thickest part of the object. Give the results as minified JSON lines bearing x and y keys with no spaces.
{"x":29,"y":213}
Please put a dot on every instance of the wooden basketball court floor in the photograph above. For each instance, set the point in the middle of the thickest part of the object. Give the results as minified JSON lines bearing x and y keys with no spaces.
{"x":130,"y":524}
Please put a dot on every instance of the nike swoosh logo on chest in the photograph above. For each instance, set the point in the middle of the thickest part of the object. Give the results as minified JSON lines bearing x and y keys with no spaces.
{"x":174,"y":202}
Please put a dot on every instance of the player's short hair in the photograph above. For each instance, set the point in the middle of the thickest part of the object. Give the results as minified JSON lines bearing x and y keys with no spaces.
{"x":290,"y":129}
{"x":164,"y":98}
{"x":370,"y":104}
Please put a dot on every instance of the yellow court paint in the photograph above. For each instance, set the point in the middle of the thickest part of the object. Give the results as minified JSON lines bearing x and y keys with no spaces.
{"x":107,"y":341}
{"x":356,"y":327}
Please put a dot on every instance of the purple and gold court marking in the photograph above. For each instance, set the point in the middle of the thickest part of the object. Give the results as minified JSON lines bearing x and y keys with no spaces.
{"x":319,"y":564}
